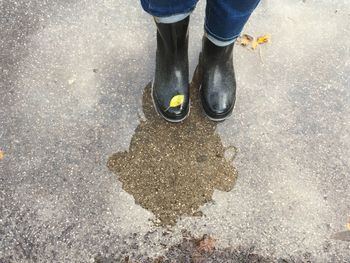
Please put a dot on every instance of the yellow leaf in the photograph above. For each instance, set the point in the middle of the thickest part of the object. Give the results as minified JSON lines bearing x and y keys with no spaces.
{"x":348,"y":226}
{"x":1,"y":155}
{"x":264,"y":39}
{"x":254,"y":44}
{"x":177,"y":101}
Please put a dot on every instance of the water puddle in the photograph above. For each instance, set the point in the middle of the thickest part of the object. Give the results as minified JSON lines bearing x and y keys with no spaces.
{"x":173,"y":169}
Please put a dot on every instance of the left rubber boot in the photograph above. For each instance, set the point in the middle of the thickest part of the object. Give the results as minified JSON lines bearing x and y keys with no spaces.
{"x":170,"y":89}
{"x":218,"y":82}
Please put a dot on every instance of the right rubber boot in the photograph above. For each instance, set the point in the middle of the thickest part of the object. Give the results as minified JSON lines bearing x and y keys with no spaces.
{"x":170,"y":88}
{"x":218,"y":81}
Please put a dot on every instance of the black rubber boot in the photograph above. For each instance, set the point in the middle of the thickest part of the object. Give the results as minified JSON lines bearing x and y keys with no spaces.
{"x":171,"y":83}
{"x":218,"y":82}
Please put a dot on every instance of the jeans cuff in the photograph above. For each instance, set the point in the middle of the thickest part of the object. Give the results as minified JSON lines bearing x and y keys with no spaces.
{"x":172,"y":19}
{"x":219,"y":41}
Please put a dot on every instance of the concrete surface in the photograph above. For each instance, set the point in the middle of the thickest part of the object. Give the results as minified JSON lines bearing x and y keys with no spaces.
{"x":72,"y":78}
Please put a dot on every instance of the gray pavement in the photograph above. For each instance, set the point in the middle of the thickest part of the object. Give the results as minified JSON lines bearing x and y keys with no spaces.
{"x":72,"y":78}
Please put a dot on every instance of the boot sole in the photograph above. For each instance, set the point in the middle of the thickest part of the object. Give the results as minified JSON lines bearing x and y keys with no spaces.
{"x":162,"y":115}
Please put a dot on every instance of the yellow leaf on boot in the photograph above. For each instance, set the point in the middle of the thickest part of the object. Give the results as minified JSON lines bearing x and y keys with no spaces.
{"x":177,"y":101}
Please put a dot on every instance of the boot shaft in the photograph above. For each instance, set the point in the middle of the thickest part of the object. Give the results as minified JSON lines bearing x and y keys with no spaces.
{"x":173,"y":38}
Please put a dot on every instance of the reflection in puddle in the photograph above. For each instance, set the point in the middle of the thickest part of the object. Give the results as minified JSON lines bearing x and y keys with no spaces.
{"x":173,"y":169}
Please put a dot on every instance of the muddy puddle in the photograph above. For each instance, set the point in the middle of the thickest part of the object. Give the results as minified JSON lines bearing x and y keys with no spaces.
{"x":173,"y":169}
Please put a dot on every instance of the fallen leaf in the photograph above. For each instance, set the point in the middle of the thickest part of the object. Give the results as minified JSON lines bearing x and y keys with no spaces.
{"x":2,"y":154}
{"x":177,"y":101}
{"x":254,"y":44}
{"x":264,"y":39}
{"x":245,"y":40}
{"x":206,"y":244}
{"x":248,"y":41}
{"x":348,"y":226}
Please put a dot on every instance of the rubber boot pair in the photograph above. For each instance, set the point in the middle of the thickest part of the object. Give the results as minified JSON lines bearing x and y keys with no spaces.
{"x":170,"y":89}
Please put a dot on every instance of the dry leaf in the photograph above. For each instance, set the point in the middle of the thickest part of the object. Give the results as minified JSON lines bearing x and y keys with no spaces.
{"x":245,"y":40}
{"x":348,"y":226}
{"x":177,"y":101}
{"x":254,"y":44}
{"x":264,"y":39}
{"x":249,"y":41}
{"x":2,"y":154}
{"x":206,"y":244}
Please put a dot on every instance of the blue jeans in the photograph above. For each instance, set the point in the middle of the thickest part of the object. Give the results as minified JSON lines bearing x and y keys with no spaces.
{"x":224,"y":19}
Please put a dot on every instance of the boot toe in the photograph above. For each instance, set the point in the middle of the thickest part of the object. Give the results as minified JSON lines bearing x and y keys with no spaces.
{"x":171,"y":114}
{"x":176,"y":114}
{"x":218,"y":105}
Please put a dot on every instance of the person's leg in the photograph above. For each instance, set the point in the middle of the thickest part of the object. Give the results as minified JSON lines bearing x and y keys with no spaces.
{"x":170,"y":87}
{"x":223,"y":23}
{"x":225,"y":19}
{"x":164,"y":9}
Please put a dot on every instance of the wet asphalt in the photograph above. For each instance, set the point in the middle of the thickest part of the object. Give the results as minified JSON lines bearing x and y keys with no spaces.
{"x":85,"y":175}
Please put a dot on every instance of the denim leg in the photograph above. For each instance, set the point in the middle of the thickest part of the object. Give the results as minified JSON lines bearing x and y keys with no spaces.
{"x":225,"y":19}
{"x":168,"y":8}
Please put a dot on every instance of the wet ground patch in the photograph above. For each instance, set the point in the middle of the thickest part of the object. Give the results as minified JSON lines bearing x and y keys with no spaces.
{"x":173,"y":169}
